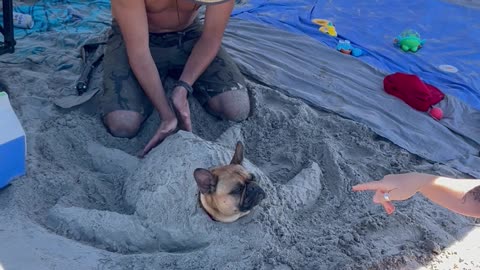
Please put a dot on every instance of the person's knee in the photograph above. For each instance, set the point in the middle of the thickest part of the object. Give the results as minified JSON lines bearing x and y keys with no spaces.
{"x":123,"y":124}
{"x":238,"y":114}
{"x":232,"y":105}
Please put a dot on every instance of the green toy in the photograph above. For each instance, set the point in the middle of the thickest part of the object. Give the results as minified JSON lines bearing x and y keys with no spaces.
{"x":409,"y":40}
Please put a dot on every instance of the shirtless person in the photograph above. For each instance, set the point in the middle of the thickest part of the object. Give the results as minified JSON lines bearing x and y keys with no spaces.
{"x":151,"y":39}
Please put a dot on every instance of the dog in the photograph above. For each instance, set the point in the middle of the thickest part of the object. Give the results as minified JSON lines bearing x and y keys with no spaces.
{"x":186,"y":195}
{"x":228,"y":192}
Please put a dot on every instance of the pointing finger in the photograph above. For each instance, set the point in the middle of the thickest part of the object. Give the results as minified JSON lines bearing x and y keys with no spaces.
{"x":374,"y":185}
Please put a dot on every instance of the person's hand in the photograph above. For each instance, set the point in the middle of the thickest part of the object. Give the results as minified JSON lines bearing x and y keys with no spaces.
{"x":181,"y":107}
{"x":167,"y":127}
{"x":397,"y":187}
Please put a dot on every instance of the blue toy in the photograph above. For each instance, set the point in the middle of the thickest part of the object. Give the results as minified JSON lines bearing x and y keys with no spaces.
{"x":344,"y":46}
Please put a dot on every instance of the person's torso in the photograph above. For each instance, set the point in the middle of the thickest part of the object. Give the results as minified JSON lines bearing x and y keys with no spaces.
{"x":170,"y":15}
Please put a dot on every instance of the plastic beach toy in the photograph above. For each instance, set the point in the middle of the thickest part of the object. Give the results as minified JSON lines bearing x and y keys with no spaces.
{"x":436,"y":113}
{"x":448,"y":68}
{"x":326,"y":27}
{"x":344,"y":46}
{"x":409,"y":40}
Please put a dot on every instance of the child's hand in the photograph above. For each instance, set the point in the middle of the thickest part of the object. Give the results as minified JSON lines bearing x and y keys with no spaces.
{"x":394,"y":187}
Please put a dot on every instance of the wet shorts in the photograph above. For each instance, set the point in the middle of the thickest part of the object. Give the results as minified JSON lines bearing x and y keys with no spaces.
{"x":170,"y":52}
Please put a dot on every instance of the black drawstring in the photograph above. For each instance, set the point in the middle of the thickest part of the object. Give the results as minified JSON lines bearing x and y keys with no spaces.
{"x":180,"y":39}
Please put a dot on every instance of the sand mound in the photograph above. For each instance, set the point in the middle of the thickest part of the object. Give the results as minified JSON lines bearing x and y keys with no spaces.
{"x":162,"y":193}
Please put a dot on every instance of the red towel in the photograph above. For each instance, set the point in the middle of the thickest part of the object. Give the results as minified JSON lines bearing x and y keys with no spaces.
{"x":412,"y":90}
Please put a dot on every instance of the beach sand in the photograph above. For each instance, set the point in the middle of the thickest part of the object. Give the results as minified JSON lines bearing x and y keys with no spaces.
{"x":73,"y":209}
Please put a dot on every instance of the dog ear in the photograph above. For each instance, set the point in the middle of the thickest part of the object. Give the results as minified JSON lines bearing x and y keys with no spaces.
{"x":238,"y":156}
{"x":206,"y":181}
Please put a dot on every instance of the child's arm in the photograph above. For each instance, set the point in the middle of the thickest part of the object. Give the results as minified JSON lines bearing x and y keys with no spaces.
{"x":459,"y":195}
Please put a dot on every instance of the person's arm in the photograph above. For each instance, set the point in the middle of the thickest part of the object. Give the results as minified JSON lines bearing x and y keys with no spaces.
{"x":131,"y":16}
{"x":203,"y":53}
{"x":459,"y":195}
{"x":207,"y":47}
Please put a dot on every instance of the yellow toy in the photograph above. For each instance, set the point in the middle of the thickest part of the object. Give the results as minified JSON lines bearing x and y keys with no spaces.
{"x":326,"y":27}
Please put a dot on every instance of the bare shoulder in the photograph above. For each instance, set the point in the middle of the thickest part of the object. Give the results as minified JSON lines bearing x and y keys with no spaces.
{"x":122,"y":8}
{"x":131,"y":16}
{"x":128,"y":3}
{"x":225,"y":6}
{"x":217,"y":17}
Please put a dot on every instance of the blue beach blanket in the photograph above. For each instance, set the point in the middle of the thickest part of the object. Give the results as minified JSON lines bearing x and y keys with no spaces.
{"x":66,"y":16}
{"x":452,"y":34}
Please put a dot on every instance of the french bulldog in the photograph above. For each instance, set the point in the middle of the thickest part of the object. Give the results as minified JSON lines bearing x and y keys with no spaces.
{"x":228,"y":192}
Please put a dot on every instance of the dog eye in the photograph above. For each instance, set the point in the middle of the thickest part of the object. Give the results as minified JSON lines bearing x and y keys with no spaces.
{"x":253,"y":178}
{"x":238,"y":190}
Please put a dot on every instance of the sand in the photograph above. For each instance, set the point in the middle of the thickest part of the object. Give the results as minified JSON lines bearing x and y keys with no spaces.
{"x":87,"y":202}
{"x":71,"y":209}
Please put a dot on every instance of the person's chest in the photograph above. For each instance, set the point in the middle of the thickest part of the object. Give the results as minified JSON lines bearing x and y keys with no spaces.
{"x":161,"y":6}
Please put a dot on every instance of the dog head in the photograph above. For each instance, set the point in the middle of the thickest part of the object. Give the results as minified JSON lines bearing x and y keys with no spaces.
{"x":228,"y":192}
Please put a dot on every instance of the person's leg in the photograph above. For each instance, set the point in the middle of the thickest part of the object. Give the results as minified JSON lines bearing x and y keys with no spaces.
{"x":123,"y":123}
{"x":124,"y":104}
{"x":232,"y":105}
{"x":222,"y":89}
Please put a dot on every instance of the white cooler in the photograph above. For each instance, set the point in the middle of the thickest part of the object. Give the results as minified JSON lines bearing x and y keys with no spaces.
{"x":12,"y":143}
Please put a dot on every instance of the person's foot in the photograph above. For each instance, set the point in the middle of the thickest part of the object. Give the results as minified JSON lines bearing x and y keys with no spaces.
{"x":182,"y":109}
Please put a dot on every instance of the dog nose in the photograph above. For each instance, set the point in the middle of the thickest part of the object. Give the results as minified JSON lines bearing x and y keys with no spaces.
{"x":253,"y":196}
{"x":261,"y":193}
{"x":256,"y":191}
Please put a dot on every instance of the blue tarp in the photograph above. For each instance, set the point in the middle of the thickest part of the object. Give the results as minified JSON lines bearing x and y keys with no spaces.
{"x":65,"y":16}
{"x":452,"y":35}
{"x":452,"y":32}
{"x":73,"y":21}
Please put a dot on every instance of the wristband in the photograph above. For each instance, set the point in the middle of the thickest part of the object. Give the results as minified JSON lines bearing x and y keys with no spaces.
{"x":185,"y":85}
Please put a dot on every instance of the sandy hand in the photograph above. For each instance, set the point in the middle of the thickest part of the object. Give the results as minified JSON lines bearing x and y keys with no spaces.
{"x":166,"y":128}
{"x":181,"y":107}
{"x":398,"y":186}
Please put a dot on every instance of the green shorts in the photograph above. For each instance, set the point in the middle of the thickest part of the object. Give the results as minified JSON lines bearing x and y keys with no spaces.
{"x":170,"y":52}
